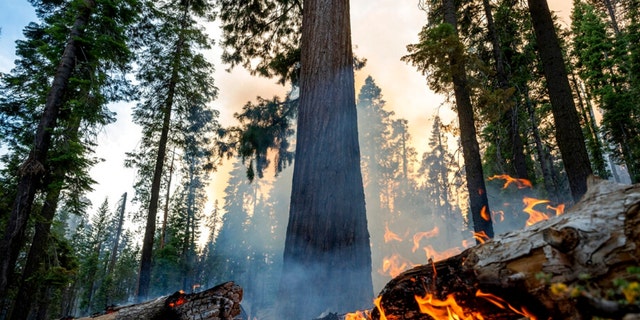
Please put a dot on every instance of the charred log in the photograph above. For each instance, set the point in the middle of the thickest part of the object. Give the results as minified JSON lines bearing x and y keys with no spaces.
{"x":221,"y":302}
{"x":557,"y":269}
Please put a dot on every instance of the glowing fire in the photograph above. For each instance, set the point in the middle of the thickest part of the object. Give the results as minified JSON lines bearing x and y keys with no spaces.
{"x":366,"y":315}
{"x":394,"y":265}
{"x":484,"y":214}
{"x":534,"y":215}
{"x":390,"y":235}
{"x":520,"y":183}
{"x":447,"y":309}
{"x":481,"y":236}
{"x":420,"y":235}
{"x":179,"y":301}
{"x":501,"y":303}
{"x":440,"y":255}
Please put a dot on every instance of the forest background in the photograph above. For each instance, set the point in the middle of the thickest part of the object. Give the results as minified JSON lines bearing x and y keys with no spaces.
{"x":405,"y":94}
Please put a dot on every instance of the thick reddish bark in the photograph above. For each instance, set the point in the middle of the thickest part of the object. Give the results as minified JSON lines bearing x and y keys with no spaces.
{"x":327,"y":257}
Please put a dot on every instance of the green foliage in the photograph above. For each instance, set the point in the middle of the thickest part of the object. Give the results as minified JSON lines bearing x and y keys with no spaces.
{"x":437,"y":46}
{"x":263,"y":36}
{"x":264,"y":127}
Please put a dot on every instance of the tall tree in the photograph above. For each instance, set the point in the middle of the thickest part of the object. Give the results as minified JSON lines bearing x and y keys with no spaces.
{"x":67,"y":92}
{"x":327,"y":242}
{"x":441,"y":50}
{"x":175,"y":77}
{"x":567,"y":122}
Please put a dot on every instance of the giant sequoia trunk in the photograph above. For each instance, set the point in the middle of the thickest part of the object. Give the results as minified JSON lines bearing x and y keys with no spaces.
{"x":327,"y":258}
{"x":526,"y":271}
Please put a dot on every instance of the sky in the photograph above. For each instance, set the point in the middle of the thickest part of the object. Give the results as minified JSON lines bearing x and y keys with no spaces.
{"x":381,"y":30}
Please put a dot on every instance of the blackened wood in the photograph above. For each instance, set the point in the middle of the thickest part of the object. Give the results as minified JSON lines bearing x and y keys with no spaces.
{"x":221,"y":302}
{"x":599,"y":237}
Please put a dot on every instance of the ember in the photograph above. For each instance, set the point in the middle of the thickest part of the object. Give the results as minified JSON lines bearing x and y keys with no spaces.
{"x":390,"y":235}
{"x":177,"y":299}
{"x":420,"y":235}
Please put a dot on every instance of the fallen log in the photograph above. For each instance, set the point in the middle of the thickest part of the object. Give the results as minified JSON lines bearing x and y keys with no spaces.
{"x":562,"y":268}
{"x":221,"y":302}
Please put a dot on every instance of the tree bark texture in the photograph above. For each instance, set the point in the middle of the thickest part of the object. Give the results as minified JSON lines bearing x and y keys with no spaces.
{"x":599,"y":237}
{"x":470,"y":148}
{"x":327,"y":255}
{"x":33,"y":169}
{"x":567,"y":122}
{"x":221,"y":302}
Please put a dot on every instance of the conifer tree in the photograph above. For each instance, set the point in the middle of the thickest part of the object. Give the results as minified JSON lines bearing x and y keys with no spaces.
{"x":55,"y":98}
{"x":175,"y":77}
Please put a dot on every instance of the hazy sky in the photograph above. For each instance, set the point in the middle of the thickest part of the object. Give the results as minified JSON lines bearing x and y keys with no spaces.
{"x":381,"y":30}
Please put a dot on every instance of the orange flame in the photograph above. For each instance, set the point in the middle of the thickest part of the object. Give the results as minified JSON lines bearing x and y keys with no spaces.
{"x":447,"y":309}
{"x":558,"y":210}
{"x":390,"y":235}
{"x":180,"y":300}
{"x":534,"y":215}
{"x":520,"y":183}
{"x":366,"y":315}
{"x":501,"y":304}
{"x":484,"y":215}
{"x":440,"y":255}
{"x":394,"y":265}
{"x":481,"y":236}
{"x":426,"y":234}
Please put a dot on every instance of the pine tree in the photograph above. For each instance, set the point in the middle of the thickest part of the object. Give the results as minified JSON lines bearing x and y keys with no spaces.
{"x":52,"y":93}
{"x":442,"y":53}
{"x":175,"y":77}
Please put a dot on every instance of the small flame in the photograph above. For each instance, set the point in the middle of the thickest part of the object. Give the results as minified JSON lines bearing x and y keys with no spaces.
{"x":366,"y":315}
{"x":499,"y":214}
{"x":534,"y":215}
{"x":520,"y":183}
{"x":484,"y":215}
{"x":481,"y":236}
{"x":390,"y":235}
{"x":447,"y":309}
{"x":179,"y":301}
{"x":440,"y":255}
{"x":420,"y":235}
{"x":501,"y":304}
{"x":394,"y":265}
{"x":377,"y":303}
{"x":558,"y":210}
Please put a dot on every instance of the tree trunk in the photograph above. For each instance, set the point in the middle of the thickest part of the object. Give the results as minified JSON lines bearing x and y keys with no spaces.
{"x":327,"y":256}
{"x":32,"y":275}
{"x":568,"y":132}
{"x":470,"y":149}
{"x":144,"y":278}
{"x":221,"y":302}
{"x":33,"y":170}
{"x":529,"y":269}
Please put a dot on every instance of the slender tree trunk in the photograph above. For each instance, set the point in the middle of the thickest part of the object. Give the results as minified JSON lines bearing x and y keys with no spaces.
{"x":116,"y":242}
{"x":34,"y":267}
{"x":511,"y":115}
{"x":163,"y":235}
{"x":470,"y":149}
{"x":612,"y":15}
{"x":568,"y":132}
{"x":33,"y":170}
{"x":547,"y":170}
{"x":327,"y":257}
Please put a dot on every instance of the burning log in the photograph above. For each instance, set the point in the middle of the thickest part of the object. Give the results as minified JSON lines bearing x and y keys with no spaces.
{"x":218,"y":303}
{"x":573,"y":266}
